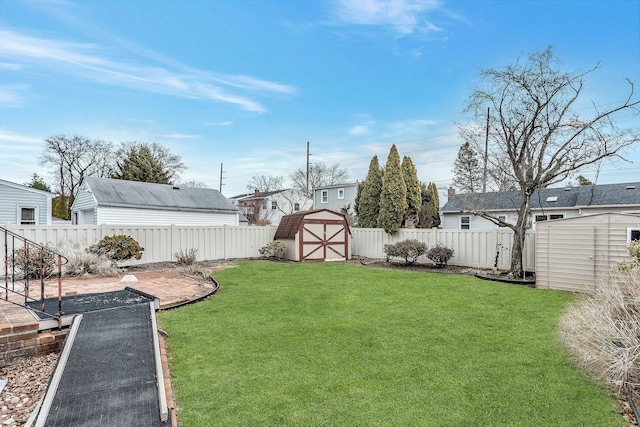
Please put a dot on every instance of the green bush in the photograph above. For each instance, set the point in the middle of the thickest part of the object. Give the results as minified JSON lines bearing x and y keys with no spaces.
{"x":41,"y":263}
{"x":410,"y":250}
{"x":274,"y":249}
{"x":118,"y":248}
{"x":440,"y":254}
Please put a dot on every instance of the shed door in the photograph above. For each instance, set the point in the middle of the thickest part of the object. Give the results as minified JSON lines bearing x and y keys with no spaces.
{"x":322,"y":240}
{"x":571,"y":257}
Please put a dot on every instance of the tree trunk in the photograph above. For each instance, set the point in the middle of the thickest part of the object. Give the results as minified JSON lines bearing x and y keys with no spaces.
{"x":516,"y":270}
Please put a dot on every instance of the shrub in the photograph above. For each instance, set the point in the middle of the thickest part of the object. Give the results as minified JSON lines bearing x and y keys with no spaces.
{"x":274,"y":249}
{"x":601,"y":331}
{"x":440,"y":254}
{"x":410,"y":250}
{"x":42,"y":262}
{"x":82,"y":261}
{"x":118,"y":248}
{"x":634,"y":252}
{"x":185,"y":258}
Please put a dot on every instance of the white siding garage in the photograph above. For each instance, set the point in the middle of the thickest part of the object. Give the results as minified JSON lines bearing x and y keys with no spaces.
{"x":120,"y":202}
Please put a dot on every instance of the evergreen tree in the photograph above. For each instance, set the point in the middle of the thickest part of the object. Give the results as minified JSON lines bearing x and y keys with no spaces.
{"x":584,"y":181}
{"x":467,"y":174}
{"x":147,"y":163}
{"x":435,"y":205}
{"x":424,"y":215}
{"x":369,"y":200}
{"x":414,"y":199}
{"x":60,"y":207}
{"x":356,"y":202}
{"x":38,"y":183}
{"x":393,"y":197}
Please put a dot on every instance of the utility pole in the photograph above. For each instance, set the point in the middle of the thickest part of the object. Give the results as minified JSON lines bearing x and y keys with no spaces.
{"x":308,"y":168}
{"x":486,"y":155}
{"x":221,"y":177}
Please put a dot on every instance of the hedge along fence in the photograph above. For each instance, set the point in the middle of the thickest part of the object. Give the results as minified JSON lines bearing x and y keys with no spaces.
{"x":473,"y":248}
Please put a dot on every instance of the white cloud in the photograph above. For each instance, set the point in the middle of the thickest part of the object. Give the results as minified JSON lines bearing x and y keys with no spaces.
{"x":89,"y":61}
{"x":359,"y":130}
{"x":405,"y":16}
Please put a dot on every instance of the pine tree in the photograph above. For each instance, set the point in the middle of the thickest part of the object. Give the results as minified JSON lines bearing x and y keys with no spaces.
{"x":369,"y":200}
{"x":414,"y":199}
{"x":435,"y":205}
{"x":467,"y":174}
{"x":393,"y":197}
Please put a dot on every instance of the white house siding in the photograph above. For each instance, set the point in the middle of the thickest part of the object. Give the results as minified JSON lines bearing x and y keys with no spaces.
{"x":113,"y":215}
{"x":84,"y":212}
{"x":285,"y":204}
{"x":334,"y":203}
{"x":13,"y":197}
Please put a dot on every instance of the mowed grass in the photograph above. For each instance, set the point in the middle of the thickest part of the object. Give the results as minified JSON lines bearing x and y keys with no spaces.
{"x":326,"y":344}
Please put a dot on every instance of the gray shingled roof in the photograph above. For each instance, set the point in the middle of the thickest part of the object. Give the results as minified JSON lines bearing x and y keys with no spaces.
{"x":121,"y":193}
{"x":568,"y":197}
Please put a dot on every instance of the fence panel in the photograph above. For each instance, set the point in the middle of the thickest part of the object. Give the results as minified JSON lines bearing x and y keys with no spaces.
{"x":473,"y":248}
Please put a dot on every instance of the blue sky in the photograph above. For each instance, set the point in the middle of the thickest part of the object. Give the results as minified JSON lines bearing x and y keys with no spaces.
{"x":248,"y":83}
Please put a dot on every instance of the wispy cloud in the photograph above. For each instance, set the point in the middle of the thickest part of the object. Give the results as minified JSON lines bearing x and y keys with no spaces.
{"x":359,"y":130}
{"x":91,"y":62}
{"x":179,"y":136}
{"x":227,"y":123}
{"x":13,"y":95}
{"x":404,"y":16}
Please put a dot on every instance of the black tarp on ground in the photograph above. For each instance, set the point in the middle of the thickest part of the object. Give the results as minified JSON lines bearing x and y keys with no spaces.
{"x":110,"y":377}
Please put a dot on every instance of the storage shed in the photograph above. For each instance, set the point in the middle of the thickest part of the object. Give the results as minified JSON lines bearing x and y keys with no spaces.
{"x":572,"y":253}
{"x":317,"y":235}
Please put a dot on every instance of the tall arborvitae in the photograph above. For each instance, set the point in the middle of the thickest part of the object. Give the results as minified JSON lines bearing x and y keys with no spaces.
{"x":435,"y":205}
{"x":467,"y":173}
{"x":414,"y":200}
{"x":369,"y":200}
{"x":393,"y":198}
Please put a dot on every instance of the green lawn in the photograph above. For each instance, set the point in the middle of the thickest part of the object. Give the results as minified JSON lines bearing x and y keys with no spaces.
{"x":328,"y":344}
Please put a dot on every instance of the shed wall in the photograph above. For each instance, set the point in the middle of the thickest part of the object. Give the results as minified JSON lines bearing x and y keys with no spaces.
{"x":572,"y":253}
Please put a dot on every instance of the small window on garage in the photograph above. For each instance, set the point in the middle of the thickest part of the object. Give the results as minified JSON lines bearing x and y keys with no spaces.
{"x":27,"y":215}
{"x":633,"y":233}
{"x":465,"y":222}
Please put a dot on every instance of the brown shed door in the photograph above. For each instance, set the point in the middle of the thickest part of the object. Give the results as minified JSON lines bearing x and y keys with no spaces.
{"x":323,"y":239}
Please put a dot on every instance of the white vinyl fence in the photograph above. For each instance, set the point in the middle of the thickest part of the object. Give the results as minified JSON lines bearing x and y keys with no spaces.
{"x":473,"y":248}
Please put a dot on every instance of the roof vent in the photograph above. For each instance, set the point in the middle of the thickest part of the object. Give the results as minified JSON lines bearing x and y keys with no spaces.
{"x":175,"y":187}
{"x":552,"y":199}
{"x":631,"y":187}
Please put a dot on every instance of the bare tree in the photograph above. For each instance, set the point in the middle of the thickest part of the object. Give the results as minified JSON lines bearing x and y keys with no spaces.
{"x":534,"y":124}
{"x":73,"y":158}
{"x":265,"y":183}
{"x":194,"y":184}
{"x":319,"y":175}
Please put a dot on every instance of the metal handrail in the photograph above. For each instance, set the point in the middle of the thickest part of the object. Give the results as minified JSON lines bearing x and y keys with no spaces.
{"x":28,"y":268}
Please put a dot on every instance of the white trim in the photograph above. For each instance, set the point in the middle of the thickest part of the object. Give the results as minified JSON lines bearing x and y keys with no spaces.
{"x":36,"y":214}
{"x":630,"y":230}
{"x":468,"y":223}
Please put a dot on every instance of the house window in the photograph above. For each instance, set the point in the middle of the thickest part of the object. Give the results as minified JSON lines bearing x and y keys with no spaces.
{"x":264,"y":204}
{"x":341,"y":193}
{"x":502,"y":218}
{"x":324,"y":196}
{"x":540,"y":218}
{"x":464,"y":222}
{"x":633,"y":234}
{"x":296,"y":207}
{"x":27,"y":215}
{"x":274,"y":205}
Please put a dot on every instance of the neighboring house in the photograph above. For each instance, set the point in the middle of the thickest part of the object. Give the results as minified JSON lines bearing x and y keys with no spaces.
{"x":339,"y":198}
{"x":116,"y":201}
{"x":546,"y":204}
{"x":268,"y":207}
{"x":20,"y":204}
